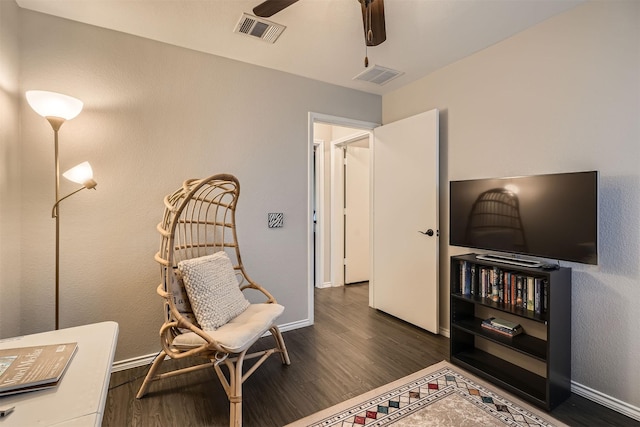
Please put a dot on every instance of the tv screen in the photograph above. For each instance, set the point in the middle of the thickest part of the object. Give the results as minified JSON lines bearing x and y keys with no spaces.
{"x":550,"y":216}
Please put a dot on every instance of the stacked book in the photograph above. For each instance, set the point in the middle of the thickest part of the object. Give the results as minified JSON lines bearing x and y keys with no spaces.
{"x":502,"y":326}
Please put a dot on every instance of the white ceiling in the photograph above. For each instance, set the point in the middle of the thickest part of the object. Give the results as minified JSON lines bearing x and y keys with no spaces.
{"x":324,"y":39}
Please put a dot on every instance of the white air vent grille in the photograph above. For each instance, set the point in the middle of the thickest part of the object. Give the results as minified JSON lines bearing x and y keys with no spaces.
{"x":262,"y":29}
{"x":378,"y":75}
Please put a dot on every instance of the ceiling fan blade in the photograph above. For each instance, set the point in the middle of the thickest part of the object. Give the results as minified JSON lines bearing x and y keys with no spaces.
{"x":376,"y":19}
{"x":271,"y":7}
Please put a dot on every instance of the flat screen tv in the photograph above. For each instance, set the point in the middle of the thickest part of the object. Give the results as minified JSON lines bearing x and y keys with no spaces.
{"x":552,"y":216}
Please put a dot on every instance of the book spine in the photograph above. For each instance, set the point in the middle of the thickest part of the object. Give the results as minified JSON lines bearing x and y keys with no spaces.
{"x":530,"y":294}
{"x":461,"y":277}
{"x":467,"y":278}
{"x":519,"y":302}
{"x":545,"y":295}
{"x":495,"y":284}
{"x":537,"y":306}
{"x":485,"y":282}
{"x":474,"y":280}
{"x":506,"y":282}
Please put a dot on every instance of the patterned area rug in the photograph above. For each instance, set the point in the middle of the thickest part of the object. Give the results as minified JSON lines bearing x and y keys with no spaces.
{"x":440,"y":395}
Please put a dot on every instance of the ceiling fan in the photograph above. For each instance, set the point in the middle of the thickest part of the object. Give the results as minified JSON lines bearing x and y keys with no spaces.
{"x":372,"y":17}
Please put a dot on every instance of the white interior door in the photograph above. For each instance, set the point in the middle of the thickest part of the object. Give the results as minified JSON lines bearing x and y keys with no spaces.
{"x":405,"y":205}
{"x":356,"y":221}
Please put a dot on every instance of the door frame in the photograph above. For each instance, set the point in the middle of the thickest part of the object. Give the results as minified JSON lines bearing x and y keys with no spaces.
{"x":335,"y":121}
{"x":318,"y":191}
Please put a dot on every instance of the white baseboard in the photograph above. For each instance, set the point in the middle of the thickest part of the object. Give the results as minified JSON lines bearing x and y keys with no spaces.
{"x":324,"y":285}
{"x":135,"y":362}
{"x":295,"y":325}
{"x":445,"y":332}
{"x":606,"y":400}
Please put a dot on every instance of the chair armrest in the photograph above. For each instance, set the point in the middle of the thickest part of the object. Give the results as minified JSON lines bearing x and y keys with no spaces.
{"x":254,"y":285}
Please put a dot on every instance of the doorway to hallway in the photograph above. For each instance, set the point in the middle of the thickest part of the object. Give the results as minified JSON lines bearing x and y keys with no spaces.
{"x":329,"y":138}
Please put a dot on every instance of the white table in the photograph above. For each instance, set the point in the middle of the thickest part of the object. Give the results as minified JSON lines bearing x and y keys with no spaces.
{"x":80,"y":397}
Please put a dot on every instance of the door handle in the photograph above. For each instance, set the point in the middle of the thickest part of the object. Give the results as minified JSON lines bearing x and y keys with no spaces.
{"x":429,"y":232}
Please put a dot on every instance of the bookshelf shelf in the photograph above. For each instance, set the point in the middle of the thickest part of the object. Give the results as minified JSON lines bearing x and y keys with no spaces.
{"x":526,"y":344}
{"x":534,"y":366}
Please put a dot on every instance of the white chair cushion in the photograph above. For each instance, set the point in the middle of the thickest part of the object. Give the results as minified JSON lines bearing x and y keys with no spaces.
{"x":239,"y":333}
{"x":213,"y":289}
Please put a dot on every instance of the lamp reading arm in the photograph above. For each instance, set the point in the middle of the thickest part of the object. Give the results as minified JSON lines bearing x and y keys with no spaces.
{"x":91,"y":184}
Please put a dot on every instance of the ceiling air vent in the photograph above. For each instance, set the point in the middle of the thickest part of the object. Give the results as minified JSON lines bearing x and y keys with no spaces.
{"x":259,"y":28}
{"x":378,"y":75}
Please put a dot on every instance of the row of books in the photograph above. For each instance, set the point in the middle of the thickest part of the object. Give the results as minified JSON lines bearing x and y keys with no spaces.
{"x":504,"y":286}
{"x":502,"y":327}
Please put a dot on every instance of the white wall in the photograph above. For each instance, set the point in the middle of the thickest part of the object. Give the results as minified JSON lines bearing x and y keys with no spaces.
{"x":9,"y":172}
{"x":154,"y":116}
{"x":561,"y":96}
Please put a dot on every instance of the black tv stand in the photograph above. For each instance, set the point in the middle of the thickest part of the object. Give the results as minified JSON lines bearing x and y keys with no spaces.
{"x":506,"y":259}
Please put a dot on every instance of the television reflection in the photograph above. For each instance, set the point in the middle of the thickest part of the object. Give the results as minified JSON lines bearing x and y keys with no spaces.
{"x":494,"y":221}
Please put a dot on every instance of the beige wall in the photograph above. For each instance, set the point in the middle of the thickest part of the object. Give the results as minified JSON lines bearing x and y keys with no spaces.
{"x":155,"y":115}
{"x":561,"y":96}
{"x":9,"y":173}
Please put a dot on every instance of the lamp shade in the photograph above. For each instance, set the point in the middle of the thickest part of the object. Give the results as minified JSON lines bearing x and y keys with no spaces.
{"x":80,"y":173}
{"x":52,"y":104}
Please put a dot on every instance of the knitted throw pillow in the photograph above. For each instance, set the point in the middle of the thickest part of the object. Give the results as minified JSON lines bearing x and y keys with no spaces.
{"x":213,"y":289}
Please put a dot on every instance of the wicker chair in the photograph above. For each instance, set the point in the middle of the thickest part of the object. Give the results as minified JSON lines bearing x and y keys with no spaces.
{"x":199,"y":220}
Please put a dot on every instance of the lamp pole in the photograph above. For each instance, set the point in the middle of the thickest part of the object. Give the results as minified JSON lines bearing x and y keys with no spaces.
{"x":56,"y":123}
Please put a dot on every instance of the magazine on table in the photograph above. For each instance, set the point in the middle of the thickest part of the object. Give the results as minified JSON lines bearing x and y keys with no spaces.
{"x":25,"y":369}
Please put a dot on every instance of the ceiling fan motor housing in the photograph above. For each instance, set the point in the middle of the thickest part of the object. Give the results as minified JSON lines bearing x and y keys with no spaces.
{"x":372,"y":17}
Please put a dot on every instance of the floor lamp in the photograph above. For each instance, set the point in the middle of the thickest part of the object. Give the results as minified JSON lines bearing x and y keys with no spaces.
{"x":58,"y":108}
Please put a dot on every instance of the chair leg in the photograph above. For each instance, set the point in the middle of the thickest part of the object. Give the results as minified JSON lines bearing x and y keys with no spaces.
{"x":284,"y":354}
{"x":151,"y":374}
{"x":235,"y":390}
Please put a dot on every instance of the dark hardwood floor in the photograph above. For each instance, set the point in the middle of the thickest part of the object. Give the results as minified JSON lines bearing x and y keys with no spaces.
{"x":351,"y":349}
